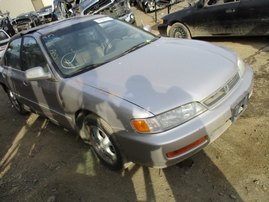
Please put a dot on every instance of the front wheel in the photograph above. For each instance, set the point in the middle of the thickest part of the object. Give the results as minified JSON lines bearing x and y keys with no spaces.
{"x":103,"y":142}
{"x":178,"y":30}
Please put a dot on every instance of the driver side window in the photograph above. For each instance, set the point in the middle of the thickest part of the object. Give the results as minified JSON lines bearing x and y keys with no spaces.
{"x":32,"y":55}
{"x":219,"y":2}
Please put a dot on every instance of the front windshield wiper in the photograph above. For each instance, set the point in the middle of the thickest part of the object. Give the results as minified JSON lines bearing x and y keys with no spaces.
{"x":154,"y":39}
{"x":137,"y":46}
{"x":85,"y":68}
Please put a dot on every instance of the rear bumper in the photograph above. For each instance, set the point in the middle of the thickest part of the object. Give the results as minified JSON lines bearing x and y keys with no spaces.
{"x":151,"y":150}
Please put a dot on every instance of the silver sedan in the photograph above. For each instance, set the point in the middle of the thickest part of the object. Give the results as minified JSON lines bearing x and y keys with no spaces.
{"x":132,"y":96}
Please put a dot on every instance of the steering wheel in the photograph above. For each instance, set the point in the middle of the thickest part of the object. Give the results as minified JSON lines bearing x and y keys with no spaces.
{"x":69,"y":60}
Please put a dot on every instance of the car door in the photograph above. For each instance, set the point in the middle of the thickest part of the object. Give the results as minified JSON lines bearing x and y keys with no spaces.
{"x":12,"y":73}
{"x":253,"y":17}
{"x":32,"y":91}
{"x":16,"y":61}
{"x":42,"y":95}
{"x":218,"y":17}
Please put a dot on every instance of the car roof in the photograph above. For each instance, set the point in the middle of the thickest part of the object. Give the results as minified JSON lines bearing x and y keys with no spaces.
{"x":49,"y":27}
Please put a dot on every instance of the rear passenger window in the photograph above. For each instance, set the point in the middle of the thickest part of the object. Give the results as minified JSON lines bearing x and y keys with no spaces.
{"x":3,"y":36}
{"x":12,"y":56}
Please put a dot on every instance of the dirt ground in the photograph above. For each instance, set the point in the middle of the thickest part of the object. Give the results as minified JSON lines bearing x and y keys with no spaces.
{"x":40,"y":161}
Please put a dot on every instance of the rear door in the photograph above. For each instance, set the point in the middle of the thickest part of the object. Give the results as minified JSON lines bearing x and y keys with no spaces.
{"x":253,"y":17}
{"x":12,"y":73}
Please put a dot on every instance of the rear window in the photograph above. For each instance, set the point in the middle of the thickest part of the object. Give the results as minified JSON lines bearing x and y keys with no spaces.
{"x":3,"y":36}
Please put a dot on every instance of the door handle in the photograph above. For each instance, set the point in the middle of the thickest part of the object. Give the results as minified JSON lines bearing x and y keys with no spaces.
{"x":231,"y":10}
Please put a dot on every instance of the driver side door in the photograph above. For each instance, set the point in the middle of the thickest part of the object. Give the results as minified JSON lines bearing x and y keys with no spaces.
{"x":216,"y":17}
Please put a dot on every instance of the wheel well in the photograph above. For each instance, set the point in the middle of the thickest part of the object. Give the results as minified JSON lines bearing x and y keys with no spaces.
{"x":171,"y":24}
{"x":80,"y":116}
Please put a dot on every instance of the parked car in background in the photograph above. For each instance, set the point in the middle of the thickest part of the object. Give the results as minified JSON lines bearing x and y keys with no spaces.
{"x":6,"y":23}
{"x":60,"y":9}
{"x":152,"y":5}
{"x":45,"y":14}
{"x":26,"y":21}
{"x":4,"y":39}
{"x":114,"y":8}
{"x":115,"y":85}
{"x":206,"y":18}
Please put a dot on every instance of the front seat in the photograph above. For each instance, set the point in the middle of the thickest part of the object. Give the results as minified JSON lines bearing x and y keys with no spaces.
{"x":96,"y":51}
{"x":87,"y":51}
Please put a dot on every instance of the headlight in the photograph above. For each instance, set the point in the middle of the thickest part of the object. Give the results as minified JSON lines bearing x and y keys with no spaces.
{"x":240,"y":63}
{"x":168,"y":119}
{"x":241,"y":66}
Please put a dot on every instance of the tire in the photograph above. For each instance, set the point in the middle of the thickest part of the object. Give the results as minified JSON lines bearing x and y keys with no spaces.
{"x":16,"y":104}
{"x":178,"y":30}
{"x":103,"y":142}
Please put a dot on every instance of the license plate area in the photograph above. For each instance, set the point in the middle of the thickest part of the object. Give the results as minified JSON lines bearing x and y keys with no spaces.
{"x":239,"y":106}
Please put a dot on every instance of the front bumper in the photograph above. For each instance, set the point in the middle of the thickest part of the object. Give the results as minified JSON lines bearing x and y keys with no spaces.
{"x":151,"y":150}
{"x":163,"y":29}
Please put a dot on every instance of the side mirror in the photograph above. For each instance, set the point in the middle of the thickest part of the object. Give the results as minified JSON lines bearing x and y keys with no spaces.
{"x":37,"y":73}
{"x":200,"y":4}
{"x":147,"y":28}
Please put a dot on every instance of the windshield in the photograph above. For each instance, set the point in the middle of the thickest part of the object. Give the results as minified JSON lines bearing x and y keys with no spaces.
{"x":82,"y":46}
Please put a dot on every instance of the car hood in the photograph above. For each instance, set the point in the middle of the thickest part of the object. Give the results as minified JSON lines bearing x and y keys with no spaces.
{"x":164,"y":74}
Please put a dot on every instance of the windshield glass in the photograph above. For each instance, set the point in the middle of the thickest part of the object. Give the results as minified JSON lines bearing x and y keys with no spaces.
{"x":82,"y":46}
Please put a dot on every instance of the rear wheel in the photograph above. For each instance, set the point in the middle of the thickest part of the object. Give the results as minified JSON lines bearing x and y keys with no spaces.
{"x":16,"y":104}
{"x":178,"y":30}
{"x":103,"y":142}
